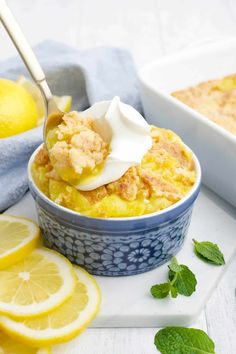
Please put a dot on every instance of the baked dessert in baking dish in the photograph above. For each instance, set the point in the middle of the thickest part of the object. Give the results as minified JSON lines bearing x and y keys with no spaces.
{"x":215,"y":99}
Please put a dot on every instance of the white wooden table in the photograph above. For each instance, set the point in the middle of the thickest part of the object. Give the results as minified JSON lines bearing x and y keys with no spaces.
{"x":149,"y":29}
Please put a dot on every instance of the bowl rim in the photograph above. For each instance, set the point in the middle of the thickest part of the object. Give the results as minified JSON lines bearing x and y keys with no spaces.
{"x":68,"y":211}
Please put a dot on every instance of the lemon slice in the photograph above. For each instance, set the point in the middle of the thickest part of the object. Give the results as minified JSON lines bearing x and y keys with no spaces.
{"x":38,"y":284}
{"x":10,"y":346}
{"x":63,"y":324}
{"x":63,"y":102}
{"x":18,"y":237}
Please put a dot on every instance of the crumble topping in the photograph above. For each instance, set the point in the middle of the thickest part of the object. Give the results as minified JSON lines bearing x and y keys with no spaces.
{"x":215,"y":99}
{"x":127,"y":186}
{"x":159,"y":187}
{"x":78,"y":146}
{"x":95,"y":195}
{"x":42,"y":157}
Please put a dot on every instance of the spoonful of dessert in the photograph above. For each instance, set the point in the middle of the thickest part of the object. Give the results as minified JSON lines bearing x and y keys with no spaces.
{"x":86,"y":149}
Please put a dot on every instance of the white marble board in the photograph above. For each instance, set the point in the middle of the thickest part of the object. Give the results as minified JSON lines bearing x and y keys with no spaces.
{"x":126,"y":300}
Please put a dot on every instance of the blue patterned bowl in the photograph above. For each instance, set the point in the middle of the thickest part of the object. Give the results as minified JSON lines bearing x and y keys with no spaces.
{"x":115,"y":246}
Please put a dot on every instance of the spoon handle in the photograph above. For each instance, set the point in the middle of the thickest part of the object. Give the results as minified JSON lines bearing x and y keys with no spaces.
{"x":24,"y":49}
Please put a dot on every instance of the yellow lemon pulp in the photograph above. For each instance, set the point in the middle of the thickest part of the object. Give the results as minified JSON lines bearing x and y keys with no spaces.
{"x":64,"y":323}
{"x":37,"y":284}
{"x":18,"y":237}
{"x":18,"y":110}
{"x":10,"y":346}
{"x":65,"y":314}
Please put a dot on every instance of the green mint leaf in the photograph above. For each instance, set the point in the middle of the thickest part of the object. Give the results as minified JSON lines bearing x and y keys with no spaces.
{"x":209,"y":252}
{"x":160,"y":291}
{"x":184,"y":281}
{"x":174,"y":266}
{"x":181,"y":281}
{"x":180,"y":340}
{"x":173,"y":291}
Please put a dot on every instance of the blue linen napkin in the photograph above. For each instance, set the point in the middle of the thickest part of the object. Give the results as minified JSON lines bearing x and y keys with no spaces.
{"x":88,"y":76}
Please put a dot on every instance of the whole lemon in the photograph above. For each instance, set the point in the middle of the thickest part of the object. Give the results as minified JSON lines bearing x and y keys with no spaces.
{"x":18,"y":110}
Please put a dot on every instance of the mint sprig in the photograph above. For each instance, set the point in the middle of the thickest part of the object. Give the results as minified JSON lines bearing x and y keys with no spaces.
{"x":178,"y":340}
{"x":209,"y":252}
{"x":181,"y":281}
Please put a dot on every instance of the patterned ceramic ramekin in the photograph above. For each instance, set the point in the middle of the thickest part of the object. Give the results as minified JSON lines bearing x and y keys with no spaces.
{"x":115,"y":246}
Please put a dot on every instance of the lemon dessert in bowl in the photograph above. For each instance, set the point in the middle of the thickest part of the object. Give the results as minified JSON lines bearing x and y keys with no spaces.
{"x":113,"y":193}
{"x":102,"y":173}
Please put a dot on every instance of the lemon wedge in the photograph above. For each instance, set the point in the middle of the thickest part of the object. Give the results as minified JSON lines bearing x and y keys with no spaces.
{"x":18,"y":110}
{"x":64,"y":323}
{"x":18,"y":237}
{"x":10,"y":346}
{"x":63,"y":102}
{"x":39,"y":283}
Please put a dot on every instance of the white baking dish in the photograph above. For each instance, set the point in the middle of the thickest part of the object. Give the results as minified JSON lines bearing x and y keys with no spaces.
{"x":214,"y":146}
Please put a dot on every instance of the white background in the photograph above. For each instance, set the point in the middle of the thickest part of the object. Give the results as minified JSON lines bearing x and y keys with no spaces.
{"x":149,"y":29}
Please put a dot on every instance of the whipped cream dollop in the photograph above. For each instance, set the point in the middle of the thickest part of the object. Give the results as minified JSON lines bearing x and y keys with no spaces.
{"x":126,"y":132}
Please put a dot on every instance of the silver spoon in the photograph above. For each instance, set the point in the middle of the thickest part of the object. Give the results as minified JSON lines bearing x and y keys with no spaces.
{"x":53,"y":113}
